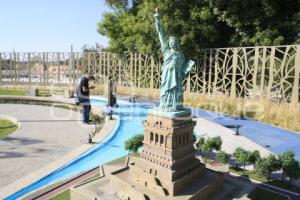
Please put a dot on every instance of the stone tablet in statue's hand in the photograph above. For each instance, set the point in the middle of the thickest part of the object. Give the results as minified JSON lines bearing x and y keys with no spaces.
{"x":191,"y":63}
{"x":189,"y":67}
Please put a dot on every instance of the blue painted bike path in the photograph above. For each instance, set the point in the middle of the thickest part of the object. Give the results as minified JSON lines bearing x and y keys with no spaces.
{"x":129,"y":123}
{"x":275,"y":139}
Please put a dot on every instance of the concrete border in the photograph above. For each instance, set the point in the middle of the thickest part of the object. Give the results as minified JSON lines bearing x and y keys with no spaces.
{"x":258,"y":182}
{"x":35,"y":176}
{"x":49,"y":187}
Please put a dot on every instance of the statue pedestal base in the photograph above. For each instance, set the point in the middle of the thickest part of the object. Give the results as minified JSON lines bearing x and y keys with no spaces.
{"x":181,"y":115}
{"x":167,"y":167}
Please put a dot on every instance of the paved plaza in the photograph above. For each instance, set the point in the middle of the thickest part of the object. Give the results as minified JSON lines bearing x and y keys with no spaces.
{"x":44,"y":135}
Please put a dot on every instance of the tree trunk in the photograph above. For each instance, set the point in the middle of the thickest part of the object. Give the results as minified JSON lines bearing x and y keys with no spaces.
{"x":128,"y":159}
{"x":282,"y":176}
{"x":290,"y":182}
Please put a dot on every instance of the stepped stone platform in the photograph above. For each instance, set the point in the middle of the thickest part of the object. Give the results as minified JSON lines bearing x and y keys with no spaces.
{"x":101,"y":188}
{"x":167,"y":167}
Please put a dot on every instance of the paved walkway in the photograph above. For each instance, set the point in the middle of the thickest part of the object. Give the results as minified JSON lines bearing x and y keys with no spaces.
{"x":44,"y":135}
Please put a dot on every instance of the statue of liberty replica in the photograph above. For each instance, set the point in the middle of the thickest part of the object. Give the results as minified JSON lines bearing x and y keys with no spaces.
{"x":167,"y":168}
{"x":175,"y":69}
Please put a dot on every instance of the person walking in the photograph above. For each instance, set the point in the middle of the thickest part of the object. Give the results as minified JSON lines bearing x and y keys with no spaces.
{"x":83,"y":95}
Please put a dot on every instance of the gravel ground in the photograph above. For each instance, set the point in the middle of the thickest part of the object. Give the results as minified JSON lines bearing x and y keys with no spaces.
{"x":44,"y":135}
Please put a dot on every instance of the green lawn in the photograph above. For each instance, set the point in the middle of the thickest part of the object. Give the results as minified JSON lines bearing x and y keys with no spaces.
{"x":123,"y":158}
{"x":12,"y":92}
{"x":6,"y":128}
{"x":118,"y":160}
{"x":65,"y":195}
{"x":261,"y":194}
{"x":44,"y":93}
{"x":89,"y":179}
{"x":255,"y":176}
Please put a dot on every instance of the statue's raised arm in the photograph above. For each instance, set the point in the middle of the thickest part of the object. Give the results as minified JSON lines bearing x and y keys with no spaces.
{"x":175,"y":69}
{"x":162,"y":39}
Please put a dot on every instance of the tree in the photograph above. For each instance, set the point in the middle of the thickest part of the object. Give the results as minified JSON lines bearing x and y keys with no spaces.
{"x":289,"y":165}
{"x":209,"y":145}
{"x":223,"y":157}
{"x":131,"y":27}
{"x":200,"y":143}
{"x":293,"y":170}
{"x":257,"y":22}
{"x":262,"y":167}
{"x":204,"y":146}
{"x":133,"y":144}
{"x":253,"y":157}
{"x":201,"y":24}
{"x":241,"y":156}
{"x":265,"y":166}
{"x":215,"y":143}
{"x":97,"y":48}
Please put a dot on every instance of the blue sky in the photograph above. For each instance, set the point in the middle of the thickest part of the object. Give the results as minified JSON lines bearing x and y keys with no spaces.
{"x":50,"y":25}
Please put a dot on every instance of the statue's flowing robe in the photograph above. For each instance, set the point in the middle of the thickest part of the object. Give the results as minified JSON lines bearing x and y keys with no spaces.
{"x":174,"y":69}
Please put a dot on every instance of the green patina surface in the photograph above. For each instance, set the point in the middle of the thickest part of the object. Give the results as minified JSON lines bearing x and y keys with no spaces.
{"x":181,"y":113}
{"x":175,"y":69}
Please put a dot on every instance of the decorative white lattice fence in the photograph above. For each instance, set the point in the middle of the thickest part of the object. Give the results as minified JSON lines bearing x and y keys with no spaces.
{"x":271,"y":71}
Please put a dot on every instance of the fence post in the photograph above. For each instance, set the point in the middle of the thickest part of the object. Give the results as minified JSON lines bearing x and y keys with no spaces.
{"x":14,"y":67}
{"x":29,"y":66}
{"x":71,"y":71}
{"x":140,"y":70}
{"x":58,"y":68}
{"x":17,"y":65}
{"x":234,"y":66}
{"x":103,"y":62}
{"x":151,"y":78}
{"x":295,"y":93}
{"x":89,"y":61}
{"x":135,"y":70}
{"x":188,"y":84}
{"x":44,"y":67}
{"x":1,"y":68}
{"x":209,"y":72}
{"x":204,"y":72}
{"x":256,"y":57}
{"x":216,"y":73}
{"x":271,"y":73}
{"x":262,"y":79}
{"x":131,"y":70}
{"x":120,"y":71}
{"x":47,"y":65}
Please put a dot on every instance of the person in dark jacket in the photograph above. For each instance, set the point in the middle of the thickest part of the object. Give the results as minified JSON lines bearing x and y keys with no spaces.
{"x":83,"y":95}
